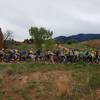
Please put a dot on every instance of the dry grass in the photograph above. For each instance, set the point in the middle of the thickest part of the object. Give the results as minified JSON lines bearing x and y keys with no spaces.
{"x":93,"y":43}
{"x":49,"y":82}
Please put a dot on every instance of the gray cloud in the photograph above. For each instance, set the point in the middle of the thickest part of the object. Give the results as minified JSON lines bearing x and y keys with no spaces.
{"x":64,"y":17}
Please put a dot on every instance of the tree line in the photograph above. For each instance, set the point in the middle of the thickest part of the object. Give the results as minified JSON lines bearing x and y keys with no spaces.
{"x":40,"y":36}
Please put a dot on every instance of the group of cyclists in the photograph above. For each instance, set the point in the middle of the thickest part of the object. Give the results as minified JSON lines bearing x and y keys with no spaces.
{"x":58,"y":55}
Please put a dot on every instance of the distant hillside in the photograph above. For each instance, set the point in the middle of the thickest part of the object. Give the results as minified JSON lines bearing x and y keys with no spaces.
{"x":79,"y":37}
{"x":92,"y":43}
{"x":60,"y":38}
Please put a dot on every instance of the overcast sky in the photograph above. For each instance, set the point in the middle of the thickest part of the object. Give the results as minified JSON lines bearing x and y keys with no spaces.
{"x":63,"y":17}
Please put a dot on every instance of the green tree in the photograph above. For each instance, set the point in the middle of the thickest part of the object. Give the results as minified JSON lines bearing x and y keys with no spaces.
{"x":50,"y":44}
{"x":40,"y":35}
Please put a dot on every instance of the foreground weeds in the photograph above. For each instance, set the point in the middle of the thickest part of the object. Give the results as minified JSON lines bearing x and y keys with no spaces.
{"x":28,"y":81}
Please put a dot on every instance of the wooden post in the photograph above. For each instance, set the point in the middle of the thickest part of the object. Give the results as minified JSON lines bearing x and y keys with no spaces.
{"x":1,"y":39}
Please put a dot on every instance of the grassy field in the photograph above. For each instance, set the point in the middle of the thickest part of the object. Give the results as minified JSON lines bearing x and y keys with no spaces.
{"x":87,"y":45}
{"x":28,"y":81}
